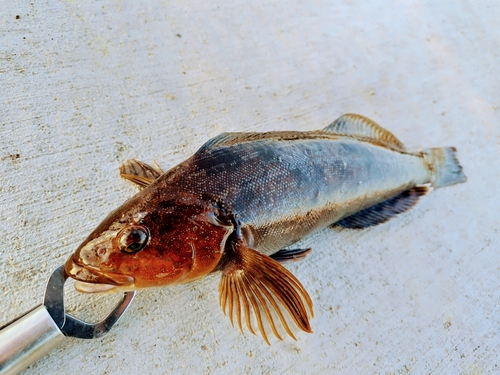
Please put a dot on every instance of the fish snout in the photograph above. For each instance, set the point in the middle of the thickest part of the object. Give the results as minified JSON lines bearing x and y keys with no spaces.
{"x":90,"y":262}
{"x":96,"y":252}
{"x":87,"y":267}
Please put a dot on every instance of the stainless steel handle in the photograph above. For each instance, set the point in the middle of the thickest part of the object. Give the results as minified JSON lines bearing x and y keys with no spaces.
{"x":27,"y":339}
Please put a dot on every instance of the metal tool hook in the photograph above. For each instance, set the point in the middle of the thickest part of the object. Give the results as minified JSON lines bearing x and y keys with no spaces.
{"x":68,"y":324}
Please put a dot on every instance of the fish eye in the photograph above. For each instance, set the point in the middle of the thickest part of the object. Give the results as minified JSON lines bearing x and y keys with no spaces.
{"x":133,"y":239}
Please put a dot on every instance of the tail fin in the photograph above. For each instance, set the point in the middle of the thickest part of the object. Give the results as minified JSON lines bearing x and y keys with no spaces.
{"x":446,"y":170}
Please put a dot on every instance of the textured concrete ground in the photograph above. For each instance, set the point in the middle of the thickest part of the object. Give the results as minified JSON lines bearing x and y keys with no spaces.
{"x":86,"y":85}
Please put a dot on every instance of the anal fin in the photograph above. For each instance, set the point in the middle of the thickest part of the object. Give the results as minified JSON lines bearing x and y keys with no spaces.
{"x":253,"y":284}
{"x":140,"y":173}
{"x":290,"y":255}
{"x":383,"y":211}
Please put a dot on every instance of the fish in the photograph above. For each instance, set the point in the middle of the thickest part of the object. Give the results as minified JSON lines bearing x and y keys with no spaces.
{"x":237,"y":205}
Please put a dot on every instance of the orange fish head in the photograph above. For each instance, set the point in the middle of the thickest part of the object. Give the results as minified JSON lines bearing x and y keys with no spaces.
{"x":164,"y":241}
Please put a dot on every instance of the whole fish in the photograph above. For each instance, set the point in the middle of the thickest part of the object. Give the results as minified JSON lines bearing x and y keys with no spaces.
{"x":237,"y":204}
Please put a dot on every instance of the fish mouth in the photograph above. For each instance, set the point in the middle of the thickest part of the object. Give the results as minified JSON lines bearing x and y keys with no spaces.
{"x":91,"y":280}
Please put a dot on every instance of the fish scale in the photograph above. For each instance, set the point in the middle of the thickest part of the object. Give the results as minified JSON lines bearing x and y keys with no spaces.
{"x":284,"y":190}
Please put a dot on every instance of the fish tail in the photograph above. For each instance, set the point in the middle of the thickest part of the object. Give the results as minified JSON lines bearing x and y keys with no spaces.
{"x":444,"y":166}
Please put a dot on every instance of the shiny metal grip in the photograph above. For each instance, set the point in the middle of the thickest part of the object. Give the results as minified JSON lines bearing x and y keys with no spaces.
{"x":27,"y":339}
{"x":34,"y":334}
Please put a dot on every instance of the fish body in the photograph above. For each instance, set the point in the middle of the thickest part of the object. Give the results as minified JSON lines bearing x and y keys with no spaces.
{"x":283,"y":188}
{"x":239,"y":201}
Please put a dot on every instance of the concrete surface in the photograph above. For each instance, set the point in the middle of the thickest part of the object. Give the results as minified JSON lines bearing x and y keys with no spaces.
{"x":86,"y":85}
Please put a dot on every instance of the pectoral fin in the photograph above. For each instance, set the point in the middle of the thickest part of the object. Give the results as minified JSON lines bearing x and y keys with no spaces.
{"x":140,"y":173}
{"x":254,"y":284}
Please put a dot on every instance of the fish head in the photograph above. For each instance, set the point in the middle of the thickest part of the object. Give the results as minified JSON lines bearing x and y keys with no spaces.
{"x":167,"y":240}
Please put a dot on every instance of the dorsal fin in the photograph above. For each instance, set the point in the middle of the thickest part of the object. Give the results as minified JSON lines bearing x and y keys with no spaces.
{"x":359,"y":126}
{"x":219,"y":140}
{"x":346,"y":125}
{"x":228,"y":139}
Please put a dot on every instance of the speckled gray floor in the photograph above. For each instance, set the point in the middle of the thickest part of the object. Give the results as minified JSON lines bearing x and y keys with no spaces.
{"x":86,"y":85}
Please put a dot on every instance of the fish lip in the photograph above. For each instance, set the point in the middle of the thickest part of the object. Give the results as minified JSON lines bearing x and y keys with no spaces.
{"x":91,"y":275}
{"x":85,"y":287}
